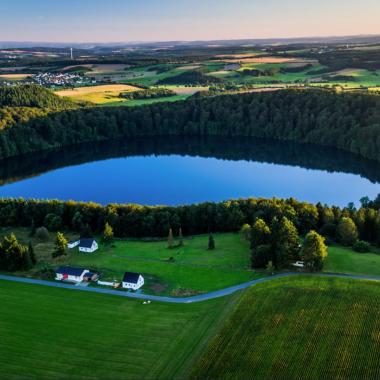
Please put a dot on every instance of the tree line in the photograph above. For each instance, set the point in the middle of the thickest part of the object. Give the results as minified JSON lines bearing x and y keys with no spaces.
{"x":130,"y":220}
{"x":346,"y":121}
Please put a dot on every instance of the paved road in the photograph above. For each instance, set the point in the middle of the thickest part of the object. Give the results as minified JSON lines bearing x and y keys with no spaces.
{"x":197,"y":298}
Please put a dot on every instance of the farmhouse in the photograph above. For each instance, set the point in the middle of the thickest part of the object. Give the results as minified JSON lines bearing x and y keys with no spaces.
{"x":88,"y":245}
{"x":132,"y":281}
{"x":70,"y":274}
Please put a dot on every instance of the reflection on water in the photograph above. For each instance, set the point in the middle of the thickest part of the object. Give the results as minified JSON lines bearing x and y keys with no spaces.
{"x":178,"y":171}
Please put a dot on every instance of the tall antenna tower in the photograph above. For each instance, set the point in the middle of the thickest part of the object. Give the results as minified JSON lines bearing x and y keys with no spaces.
{"x":71,"y":53}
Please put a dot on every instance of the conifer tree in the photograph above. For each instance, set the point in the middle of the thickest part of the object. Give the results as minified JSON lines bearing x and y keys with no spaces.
{"x":170,"y":238}
{"x":211,"y":242}
{"x":32,"y":254}
{"x":180,"y":237}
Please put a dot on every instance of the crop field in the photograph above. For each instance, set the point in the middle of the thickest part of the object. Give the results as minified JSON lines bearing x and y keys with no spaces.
{"x":299,"y":328}
{"x":14,"y":77}
{"x":261,"y":60}
{"x":101,"y":94}
{"x":49,"y":333}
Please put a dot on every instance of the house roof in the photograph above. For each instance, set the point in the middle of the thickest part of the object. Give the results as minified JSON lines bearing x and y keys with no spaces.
{"x":131,"y":277}
{"x":86,"y":243}
{"x":73,"y":241}
{"x":70,"y":271}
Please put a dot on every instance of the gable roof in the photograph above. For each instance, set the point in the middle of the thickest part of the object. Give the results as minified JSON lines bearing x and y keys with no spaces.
{"x":131,"y":277}
{"x":86,"y":243}
{"x":71,"y":271}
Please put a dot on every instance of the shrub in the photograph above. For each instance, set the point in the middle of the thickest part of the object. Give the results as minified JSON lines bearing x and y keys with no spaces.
{"x":362,"y":246}
{"x":347,"y":231}
{"x":42,"y":233}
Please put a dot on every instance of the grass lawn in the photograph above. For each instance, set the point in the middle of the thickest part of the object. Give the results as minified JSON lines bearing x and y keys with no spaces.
{"x":345,"y":260}
{"x":49,"y":333}
{"x":193,"y":269}
{"x":299,"y":328}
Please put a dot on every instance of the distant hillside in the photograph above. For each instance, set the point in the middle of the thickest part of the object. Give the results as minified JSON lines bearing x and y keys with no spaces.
{"x":190,"y":77}
{"x":32,"y":96}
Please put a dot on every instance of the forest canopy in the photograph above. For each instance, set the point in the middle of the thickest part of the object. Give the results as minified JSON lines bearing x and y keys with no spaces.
{"x":346,"y":121}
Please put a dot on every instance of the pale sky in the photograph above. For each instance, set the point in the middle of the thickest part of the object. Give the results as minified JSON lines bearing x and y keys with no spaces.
{"x":163,"y":20}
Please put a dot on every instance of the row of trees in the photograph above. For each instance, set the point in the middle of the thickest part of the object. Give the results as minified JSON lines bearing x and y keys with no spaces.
{"x":132,"y":220}
{"x":280,"y":244}
{"x":346,"y":121}
{"x":15,"y":256}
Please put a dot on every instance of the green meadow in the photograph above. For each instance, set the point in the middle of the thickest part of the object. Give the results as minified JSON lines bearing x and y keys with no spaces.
{"x":49,"y":333}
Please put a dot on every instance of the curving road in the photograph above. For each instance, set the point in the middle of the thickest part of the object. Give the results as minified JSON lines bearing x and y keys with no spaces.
{"x":197,"y":298}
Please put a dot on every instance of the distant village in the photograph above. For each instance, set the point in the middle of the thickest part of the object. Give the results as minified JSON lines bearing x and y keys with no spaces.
{"x":53,"y":80}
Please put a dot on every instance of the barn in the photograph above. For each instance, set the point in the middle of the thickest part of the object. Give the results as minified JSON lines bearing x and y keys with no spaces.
{"x":132,"y":281}
{"x":88,"y":245}
{"x":70,"y":274}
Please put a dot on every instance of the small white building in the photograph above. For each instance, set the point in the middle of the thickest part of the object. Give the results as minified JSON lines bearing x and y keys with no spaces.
{"x":132,"y":281}
{"x":88,"y":245}
{"x":70,"y":274}
{"x":299,"y":264}
{"x":72,"y":244}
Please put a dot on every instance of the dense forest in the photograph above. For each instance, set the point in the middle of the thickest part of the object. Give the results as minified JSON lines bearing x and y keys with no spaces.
{"x":32,"y":96}
{"x":148,"y":221}
{"x":346,"y":121}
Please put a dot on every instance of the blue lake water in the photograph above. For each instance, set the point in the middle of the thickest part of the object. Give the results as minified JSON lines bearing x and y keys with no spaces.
{"x":176,"y":179}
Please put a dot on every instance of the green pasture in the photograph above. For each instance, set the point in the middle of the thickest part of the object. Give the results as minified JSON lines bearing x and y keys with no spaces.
{"x":49,"y":333}
{"x":345,"y":260}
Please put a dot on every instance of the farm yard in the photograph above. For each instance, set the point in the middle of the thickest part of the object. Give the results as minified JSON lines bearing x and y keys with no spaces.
{"x":179,"y":271}
{"x":183,"y":270}
{"x":56,"y":333}
{"x":309,"y":328}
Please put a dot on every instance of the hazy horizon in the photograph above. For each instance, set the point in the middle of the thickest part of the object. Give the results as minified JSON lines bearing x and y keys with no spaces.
{"x":129,"y":21}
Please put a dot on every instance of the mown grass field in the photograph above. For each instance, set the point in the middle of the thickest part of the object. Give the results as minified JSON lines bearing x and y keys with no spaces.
{"x":345,"y":260}
{"x":193,"y":268}
{"x":49,"y":333}
{"x":299,"y":328}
